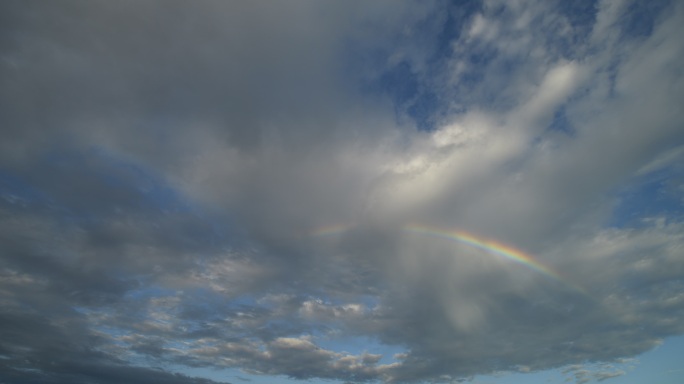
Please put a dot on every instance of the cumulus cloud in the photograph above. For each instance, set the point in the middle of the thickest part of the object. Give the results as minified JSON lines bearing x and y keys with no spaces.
{"x":597,"y":372}
{"x":230,"y":186}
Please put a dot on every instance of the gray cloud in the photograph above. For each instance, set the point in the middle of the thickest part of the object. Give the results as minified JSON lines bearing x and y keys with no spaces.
{"x":168,"y":172}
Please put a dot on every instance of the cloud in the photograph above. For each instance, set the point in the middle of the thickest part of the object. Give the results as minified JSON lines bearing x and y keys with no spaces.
{"x":596,"y":372}
{"x":227,"y":186}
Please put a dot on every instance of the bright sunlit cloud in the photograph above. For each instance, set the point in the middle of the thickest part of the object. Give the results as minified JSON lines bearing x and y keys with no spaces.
{"x":397,"y":192}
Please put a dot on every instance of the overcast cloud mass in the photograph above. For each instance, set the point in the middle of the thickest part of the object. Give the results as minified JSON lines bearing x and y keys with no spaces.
{"x":277,"y":187}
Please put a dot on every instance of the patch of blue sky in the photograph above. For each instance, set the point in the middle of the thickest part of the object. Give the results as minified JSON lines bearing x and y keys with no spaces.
{"x":425,"y":105}
{"x":661,"y":365}
{"x":413,"y":96}
{"x":581,"y":14}
{"x":200,"y":299}
{"x":16,"y":191}
{"x":241,"y":302}
{"x":234,"y":376}
{"x":122,"y":186}
{"x":561,"y":123}
{"x":459,"y":12}
{"x":641,"y":16}
{"x":409,"y":95}
{"x":654,"y":195}
{"x":369,"y":301}
{"x":581,"y":17}
{"x":426,"y":100}
{"x":357,"y":345}
{"x":144,"y":187}
{"x":149,"y":292}
{"x":285,"y":327}
{"x":115,"y":333}
{"x":543,"y":377}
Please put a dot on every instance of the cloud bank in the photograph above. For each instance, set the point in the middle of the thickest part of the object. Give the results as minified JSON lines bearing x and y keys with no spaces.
{"x":229,"y":185}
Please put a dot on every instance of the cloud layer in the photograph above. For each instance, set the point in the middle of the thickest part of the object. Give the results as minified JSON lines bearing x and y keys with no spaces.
{"x":228,"y":185}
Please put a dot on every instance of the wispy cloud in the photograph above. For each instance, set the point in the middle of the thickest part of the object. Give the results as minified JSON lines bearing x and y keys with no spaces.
{"x":228,"y":185}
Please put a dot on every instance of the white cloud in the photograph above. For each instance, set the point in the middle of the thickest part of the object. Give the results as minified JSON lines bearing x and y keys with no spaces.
{"x":226,"y":134}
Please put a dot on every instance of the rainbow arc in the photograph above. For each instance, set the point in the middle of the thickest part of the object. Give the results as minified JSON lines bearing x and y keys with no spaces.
{"x":489,"y":246}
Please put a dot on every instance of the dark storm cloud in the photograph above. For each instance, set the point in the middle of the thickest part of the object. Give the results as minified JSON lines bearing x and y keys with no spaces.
{"x":57,"y":346}
{"x":172,"y":177}
{"x":105,"y":373}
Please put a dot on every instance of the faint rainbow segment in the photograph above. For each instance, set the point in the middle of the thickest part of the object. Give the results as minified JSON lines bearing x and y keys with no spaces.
{"x":330,"y":230}
{"x":489,"y":246}
{"x":492,"y":247}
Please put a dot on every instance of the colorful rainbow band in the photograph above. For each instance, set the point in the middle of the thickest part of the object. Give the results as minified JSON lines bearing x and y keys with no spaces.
{"x":487,"y":245}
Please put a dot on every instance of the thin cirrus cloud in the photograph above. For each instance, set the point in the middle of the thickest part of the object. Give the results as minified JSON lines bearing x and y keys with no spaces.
{"x":246,"y":188}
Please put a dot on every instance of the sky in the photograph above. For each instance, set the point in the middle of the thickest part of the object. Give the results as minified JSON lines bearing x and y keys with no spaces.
{"x":341,"y":192}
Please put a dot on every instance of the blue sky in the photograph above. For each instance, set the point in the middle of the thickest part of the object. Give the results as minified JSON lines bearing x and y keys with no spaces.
{"x":341,"y":192}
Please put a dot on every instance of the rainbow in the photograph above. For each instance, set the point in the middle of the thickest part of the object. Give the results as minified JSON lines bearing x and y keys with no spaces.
{"x":329,"y":230}
{"x":492,"y":247}
{"x":488,"y":245}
